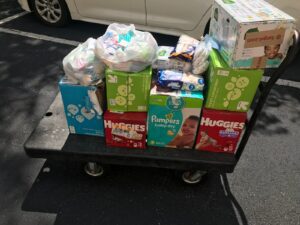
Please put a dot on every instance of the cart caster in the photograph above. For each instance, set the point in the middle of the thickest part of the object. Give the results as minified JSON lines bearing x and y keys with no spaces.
{"x":94,"y":169}
{"x":193,"y":177}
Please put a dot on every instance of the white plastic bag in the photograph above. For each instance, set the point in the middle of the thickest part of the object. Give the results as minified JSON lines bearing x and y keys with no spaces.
{"x":126,"y":49}
{"x":200,"y":60}
{"x":81,"y":66}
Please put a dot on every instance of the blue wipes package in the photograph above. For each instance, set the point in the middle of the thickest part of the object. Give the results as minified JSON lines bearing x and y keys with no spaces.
{"x":171,"y":79}
{"x":177,"y":80}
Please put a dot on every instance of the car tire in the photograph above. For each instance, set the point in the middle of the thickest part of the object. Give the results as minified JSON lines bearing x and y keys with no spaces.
{"x":51,"y":12}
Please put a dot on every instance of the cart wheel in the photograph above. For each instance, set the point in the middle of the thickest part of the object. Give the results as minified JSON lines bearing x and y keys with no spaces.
{"x":94,"y":169}
{"x":193,"y":177}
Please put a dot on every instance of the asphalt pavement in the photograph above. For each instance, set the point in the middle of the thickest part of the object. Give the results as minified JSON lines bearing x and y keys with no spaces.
{"x":264,"y":188}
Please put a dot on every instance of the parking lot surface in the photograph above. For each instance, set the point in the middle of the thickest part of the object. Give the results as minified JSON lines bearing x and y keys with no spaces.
{"x":264,"y":188}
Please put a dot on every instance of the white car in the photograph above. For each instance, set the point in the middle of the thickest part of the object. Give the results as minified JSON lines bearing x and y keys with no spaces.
{"x":169,"y":17}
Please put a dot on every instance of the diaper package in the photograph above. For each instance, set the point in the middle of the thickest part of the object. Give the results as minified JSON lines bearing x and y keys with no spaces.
{"x":83,"y":107}
{"x":128,"y":91}
{"x":177,"y":80}
{"x":220,"y":130}
{"x":125,"y":129}
{"x":81,"y":65}
{"x":163,"y":62}
{"x":230,"y":89}
{"x":251,"y":34}
{"x":185,"y":48}
{"x":173,"y":118}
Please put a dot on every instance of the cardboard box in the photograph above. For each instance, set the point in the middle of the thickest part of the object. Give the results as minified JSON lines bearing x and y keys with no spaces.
{"x":128,"y":91}
{"x":125,"y":129}
{"x":230,"y":89}
{"x":83,"y":107}
{"x":173,"y":118}
{"x":220,"y":130}
{"x":251,"y":34}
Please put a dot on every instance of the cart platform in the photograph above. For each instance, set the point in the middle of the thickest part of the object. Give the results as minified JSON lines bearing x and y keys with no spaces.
{"x":51,"y":139}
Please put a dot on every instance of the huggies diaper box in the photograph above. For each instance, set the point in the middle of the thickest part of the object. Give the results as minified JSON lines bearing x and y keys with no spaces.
{"x":251,"y":34}
{"x":173,"y":118}
{"x":126,"y":129}
{"x":128,"y":91}
{"x":230,"y":89}
{"x":83,"y":107}
{"x":220,"y":130}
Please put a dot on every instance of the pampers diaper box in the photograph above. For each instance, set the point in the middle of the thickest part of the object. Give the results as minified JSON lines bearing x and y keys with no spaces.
{"x":126,"y":129}
{"x":173,"y":118}
{"x":220,"y":130}
{"x":83,"y":107}
{"x":128,"y":91}
{"x":251,"y":34}
{"x":230,"y":89}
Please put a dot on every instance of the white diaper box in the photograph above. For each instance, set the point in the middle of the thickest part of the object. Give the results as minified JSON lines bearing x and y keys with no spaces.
{"x":251,"y":34}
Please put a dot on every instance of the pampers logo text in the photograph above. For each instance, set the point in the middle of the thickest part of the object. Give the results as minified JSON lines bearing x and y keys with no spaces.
{"x":154,"y":119}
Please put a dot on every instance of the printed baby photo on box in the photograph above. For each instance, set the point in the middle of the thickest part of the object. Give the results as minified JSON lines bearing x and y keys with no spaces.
{"x":173,"y":118}
{"x":185,"y":137}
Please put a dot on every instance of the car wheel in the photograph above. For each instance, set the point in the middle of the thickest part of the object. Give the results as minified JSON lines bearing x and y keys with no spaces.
{"x":51,"y":12}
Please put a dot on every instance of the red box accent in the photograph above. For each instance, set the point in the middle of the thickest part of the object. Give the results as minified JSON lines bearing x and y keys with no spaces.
{"x":220,"y":130}
{"x":127,"y":129}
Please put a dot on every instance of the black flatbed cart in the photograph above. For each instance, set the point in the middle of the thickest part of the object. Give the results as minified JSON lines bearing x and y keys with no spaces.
{"x":51,"y":140}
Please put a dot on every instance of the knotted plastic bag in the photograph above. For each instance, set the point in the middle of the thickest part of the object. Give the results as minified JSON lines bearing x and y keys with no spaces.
{"x":124,"y":48}
{"x":81,"y":65}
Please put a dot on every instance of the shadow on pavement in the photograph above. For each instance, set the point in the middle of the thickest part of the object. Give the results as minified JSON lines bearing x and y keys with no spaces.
{"x":130,"y":195}
{"x":9,"y":8}
{"x":29,"y":70}
{"x":283,"y":103}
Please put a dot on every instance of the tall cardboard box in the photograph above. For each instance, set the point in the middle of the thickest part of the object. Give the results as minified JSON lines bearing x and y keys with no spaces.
{"x":251,"y":34}
{"x":84,"y":106}
{"x":228,"y":88}
{"x":173,"y":118}
{"x":128,"y":91}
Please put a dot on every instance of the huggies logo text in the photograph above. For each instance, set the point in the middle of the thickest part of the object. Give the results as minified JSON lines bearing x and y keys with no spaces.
{"x":221,"y":123}
{"x":124,"y":126}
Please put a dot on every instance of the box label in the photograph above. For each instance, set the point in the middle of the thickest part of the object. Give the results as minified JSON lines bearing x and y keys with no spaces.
{"x":126,"y":129}
{"x":263,"y":38}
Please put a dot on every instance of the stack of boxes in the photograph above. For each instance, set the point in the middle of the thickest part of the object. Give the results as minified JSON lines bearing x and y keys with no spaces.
{"x":252,"y":35}
{"x":125,"y":122}
{"x":175,"y":103}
